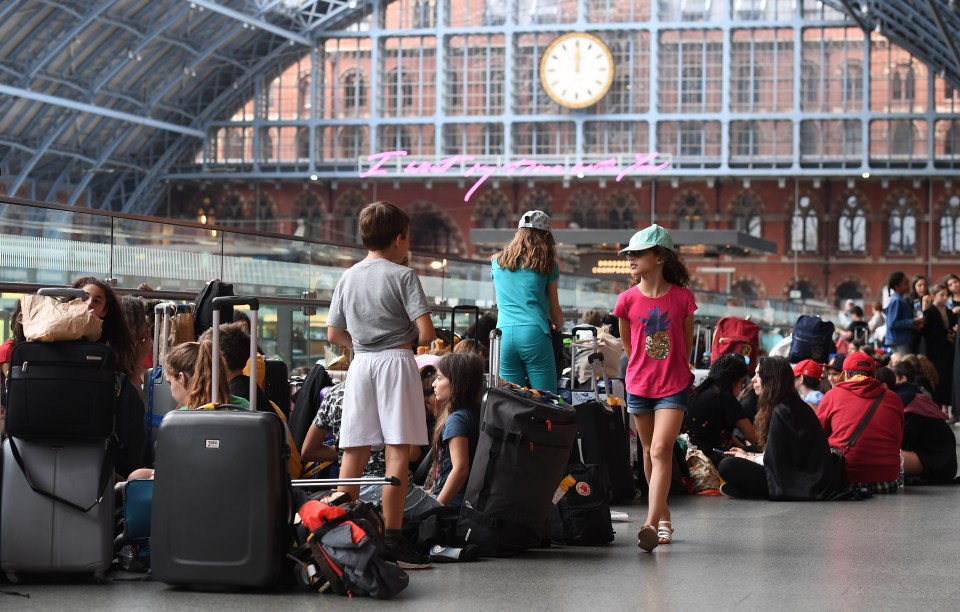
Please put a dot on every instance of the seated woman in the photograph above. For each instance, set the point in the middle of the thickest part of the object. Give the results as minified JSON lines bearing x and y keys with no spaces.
{"x":795,"y":463}
{"x":929,"y":448}
{"x":189,"y":372}
{"x":714,"y":410}
{"x":458,"y":386}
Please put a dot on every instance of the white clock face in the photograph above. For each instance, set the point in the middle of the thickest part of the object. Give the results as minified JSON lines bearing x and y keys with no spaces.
{"x":576,"y":70}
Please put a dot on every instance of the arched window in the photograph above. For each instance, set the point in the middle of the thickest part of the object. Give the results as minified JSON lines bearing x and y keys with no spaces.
{"x":399,"y":92}
{"x":810,"y":85}
{"x":537,"y":200}
{"x":747,"y":216}
{"x":849,"y":291}
{"x":691,"y":138}
{"x":690,"y":214}
{"x":852,"y":138}
{"x":809,"y":139}
{"x":691,"y":87}
{"x":744,"y":289}
{"x":903,"y":227}
{"x":309,"y":216}
{"x":853,"y":89}
{"x":351,"y":143}
{"x":748,"y":138}
{"x":804,"y":227}
{"x":430,"y":234}
{"x":806,"y":289}
{"x":350,"y":207}
{"x":903,"y":138}
{"x":951,"y":145}
{"x":394,"y":138}
{"x":902,"y":83}
{"x":304,"y":99}
{"x":620,"y":212}
{"x":354,"y":93}
{"x":950,"y":227}
{"x":852,"y":227}
{"x":582,"y":211}
{"x":303,"y":143}
{"x":493,"y":211}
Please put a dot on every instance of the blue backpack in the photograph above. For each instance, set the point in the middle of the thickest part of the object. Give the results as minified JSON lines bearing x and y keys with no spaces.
{"x":812,"y":339}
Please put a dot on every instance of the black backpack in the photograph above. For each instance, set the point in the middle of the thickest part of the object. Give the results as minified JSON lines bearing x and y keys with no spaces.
{"x":582,"y":516}
{"x":203,"y":305}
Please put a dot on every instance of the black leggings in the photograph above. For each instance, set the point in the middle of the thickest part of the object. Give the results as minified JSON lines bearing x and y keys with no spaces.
{"x":743,"y":477}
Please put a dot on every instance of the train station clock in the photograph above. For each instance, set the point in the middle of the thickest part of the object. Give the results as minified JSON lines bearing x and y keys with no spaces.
{"x":576,"y":70}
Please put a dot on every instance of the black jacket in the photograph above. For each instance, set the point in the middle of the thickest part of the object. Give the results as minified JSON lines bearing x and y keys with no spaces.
{"x":307,"y":403}
{"x":797,"y":455}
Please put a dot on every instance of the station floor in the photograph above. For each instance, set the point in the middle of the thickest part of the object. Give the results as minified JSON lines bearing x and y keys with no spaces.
{"x":891,"y":552}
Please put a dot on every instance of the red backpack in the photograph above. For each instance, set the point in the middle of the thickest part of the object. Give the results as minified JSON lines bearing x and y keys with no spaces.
{"x":736,"y":335}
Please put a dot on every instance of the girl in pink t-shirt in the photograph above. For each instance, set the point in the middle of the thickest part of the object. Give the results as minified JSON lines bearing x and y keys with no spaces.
{"x":656,"y":328}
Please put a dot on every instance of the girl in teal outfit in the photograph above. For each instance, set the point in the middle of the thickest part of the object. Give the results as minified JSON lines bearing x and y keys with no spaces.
{"x":525,"y":276}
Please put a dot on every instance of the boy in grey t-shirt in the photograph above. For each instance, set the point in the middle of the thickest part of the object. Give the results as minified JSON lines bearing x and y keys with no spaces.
{"x":379,"y":308}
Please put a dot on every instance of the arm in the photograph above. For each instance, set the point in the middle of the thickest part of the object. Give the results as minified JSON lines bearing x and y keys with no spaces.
{"x":426,"y":329}
{"x":688,"y":335}
{"x":459,"y":449}
{"x":625,"y":337}
{"x":748,"y":431}
{"x":313,"y":447}
{"x":556,"y":313}
{"x":896,"y":319}
{"x":339,"y":337}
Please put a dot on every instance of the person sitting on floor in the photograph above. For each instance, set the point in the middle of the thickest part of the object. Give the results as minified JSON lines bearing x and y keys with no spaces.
{"x":457,"y":387}
{"x":795,"y":462}
{"x":807,"y":376}
{"x":714,"y":411}
{"x":929,"y":448}
{"x":874,"y":462}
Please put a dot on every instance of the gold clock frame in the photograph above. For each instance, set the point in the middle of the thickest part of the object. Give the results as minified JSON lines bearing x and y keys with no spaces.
{"x":559,"y":41}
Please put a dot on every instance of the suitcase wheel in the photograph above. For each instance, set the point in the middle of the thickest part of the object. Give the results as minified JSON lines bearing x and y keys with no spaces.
{"x":12,"y":578}
{"x":100,"y":578}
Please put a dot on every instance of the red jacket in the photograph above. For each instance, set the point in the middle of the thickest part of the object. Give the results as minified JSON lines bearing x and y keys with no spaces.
{"x":876,"y":455}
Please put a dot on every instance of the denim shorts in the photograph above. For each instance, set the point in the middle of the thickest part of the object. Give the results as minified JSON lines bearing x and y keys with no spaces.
{"x":637,"y":404}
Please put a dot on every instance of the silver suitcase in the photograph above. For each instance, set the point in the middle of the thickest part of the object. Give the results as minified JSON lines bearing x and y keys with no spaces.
{"x":43,"y":535}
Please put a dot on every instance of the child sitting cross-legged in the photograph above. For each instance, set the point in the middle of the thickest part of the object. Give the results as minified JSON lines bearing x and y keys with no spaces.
{"x":458,"y":386}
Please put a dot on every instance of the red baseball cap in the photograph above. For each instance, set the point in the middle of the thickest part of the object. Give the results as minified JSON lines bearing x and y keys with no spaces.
{"x":858,"y":361}
{"x":808,"y":367}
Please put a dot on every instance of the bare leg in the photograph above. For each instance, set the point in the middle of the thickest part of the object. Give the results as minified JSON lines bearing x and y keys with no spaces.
{"x":398,"y":462}
{"x":644,"y":423}
{"x":666,"y":427}
{"x":911,"y":463}
{"x":354,"y":462}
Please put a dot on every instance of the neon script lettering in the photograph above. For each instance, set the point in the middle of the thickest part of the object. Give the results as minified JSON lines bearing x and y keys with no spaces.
{"x":643,"y":163}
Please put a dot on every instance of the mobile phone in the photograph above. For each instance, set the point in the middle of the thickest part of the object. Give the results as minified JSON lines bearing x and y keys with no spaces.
{"x":917,"y":308}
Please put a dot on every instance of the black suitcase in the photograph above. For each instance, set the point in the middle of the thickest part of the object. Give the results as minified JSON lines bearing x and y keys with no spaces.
{"x":525,"y":442}
{"x":602,"y":433}
{"x":277,"y":385}
{"x":221,"y":504}
{"x":44,"y":374}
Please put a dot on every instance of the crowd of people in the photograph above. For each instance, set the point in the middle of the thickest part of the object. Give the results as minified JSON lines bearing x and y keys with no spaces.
{"x":417,"y":417}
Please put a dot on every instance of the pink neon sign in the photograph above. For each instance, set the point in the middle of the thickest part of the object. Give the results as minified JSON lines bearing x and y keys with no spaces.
{"x":644,"y":163}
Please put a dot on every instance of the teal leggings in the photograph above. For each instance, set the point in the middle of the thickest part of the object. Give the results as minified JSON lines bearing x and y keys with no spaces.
{"x":526,"y":358}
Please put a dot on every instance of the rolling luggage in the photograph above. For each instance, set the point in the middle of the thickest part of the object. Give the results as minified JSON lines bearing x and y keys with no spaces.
{"x":602,"y":432}
{"x":57,"y":507}
{"x":221,"y":504}
{"x":739,"y":336}
{"x":525,"y":442}
{"x":157,"y":399}
{"x":277,"y":384}
{"x":132,"y":546}
{"x":812,"y":339}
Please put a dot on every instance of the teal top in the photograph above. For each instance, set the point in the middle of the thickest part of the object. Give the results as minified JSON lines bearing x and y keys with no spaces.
{"x":522,"y":296}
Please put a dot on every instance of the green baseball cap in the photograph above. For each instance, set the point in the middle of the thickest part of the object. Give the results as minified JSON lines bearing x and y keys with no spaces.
{"x":647,"y":238}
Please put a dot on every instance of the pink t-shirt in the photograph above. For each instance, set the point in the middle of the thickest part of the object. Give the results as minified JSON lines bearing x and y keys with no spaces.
{"x":659,"y":365}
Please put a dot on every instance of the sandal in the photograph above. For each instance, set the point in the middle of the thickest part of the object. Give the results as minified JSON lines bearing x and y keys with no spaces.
{"x":647,"y":538}
{"x":665,"y":532}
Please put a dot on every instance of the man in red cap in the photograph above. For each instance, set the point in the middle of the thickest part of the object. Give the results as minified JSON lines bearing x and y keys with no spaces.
{"x":807,"y":375}
{"x":874,"y":461}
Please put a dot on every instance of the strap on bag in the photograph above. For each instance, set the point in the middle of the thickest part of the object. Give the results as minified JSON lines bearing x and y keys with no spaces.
{"x":106,"y":471}
{"x":861,"y":426}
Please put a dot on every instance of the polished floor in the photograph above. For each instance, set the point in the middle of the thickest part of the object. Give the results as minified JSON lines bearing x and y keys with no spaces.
{"x":894,"y":552}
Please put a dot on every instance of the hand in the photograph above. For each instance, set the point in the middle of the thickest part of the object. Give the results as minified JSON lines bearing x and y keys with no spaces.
{"x":736,"y":452}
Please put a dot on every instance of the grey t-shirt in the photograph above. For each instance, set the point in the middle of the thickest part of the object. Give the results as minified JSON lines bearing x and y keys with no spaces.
{"x":377,"y":301}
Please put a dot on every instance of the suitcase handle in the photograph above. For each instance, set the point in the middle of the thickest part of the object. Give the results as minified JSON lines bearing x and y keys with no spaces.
{"x":493,"y":379}
{"x":468,"y":309}
{"x":235,"y":300}
{"x":387,"y":481}
{"x":573,"y":358}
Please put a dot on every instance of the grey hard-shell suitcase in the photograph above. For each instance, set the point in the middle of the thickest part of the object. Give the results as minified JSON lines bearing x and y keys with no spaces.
{"x":221,"y":501}
{"x":43,"y":535}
